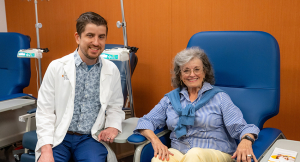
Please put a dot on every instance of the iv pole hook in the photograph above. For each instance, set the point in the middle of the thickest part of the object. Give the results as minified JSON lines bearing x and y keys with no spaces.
{"x":123,"y":24}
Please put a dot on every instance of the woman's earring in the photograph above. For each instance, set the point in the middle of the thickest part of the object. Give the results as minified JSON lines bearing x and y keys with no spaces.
{"x":180,"y":82}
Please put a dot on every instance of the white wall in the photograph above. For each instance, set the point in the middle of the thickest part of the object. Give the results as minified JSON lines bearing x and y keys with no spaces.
{"x":3,"y":26}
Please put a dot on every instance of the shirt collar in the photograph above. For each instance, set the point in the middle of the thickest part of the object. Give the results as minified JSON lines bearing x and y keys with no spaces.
{"x":78,"y":60}
{"x":185,"y":95}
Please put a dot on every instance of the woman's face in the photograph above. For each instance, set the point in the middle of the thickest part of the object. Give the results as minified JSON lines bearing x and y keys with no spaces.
{"x":192,"y":73}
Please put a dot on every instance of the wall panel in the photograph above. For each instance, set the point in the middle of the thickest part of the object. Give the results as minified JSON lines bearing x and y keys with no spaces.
{"x":3,"y":26}
{"x":161,"y":29}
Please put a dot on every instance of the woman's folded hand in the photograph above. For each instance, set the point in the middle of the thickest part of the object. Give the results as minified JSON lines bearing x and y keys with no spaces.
{"x":160,"y":150}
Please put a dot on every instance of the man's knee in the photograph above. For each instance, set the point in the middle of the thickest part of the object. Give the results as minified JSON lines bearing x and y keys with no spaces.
{"x":89,"y":150}
{"x":96,"y":153}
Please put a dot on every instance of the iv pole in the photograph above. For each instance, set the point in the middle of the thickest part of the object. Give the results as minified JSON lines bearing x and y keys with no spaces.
{"x":37,"y":26}
{"x":35,"y":52}
{"x":128,"y":71}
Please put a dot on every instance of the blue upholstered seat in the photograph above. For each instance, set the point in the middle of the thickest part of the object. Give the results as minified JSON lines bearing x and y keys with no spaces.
{"x":247,"y":66}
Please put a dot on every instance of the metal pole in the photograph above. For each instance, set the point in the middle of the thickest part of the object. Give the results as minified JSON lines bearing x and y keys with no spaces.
{"x":128,"y":71}
{"x":129,"y":89}
{"x":37,"y":26}
{"x":124,"y":25}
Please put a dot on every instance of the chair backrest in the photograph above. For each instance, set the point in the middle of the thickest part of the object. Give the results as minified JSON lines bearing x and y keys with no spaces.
{"x":247,"y":66}
{"x":14,"y":72}
{"x":122,"y":66}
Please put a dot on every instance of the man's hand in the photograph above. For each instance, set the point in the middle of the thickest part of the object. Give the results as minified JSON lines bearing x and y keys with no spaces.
{"x":46,"y":154}
{"x":108,"y":135}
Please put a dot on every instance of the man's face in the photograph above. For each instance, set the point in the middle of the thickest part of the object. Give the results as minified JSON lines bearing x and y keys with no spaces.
{"x":91,"y":42}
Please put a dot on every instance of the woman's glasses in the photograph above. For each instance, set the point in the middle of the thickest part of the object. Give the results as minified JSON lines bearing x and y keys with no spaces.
{"x":188,"y":72}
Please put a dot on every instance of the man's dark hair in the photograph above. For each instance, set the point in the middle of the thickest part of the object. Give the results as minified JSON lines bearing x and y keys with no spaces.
{"x":89,"y":17}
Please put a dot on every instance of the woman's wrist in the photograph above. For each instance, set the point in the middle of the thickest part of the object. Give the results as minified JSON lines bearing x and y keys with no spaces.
{"x":149,"y":134}
{"x":248,"y":137}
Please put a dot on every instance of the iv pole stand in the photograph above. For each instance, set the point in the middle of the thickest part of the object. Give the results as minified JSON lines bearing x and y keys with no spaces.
{"x":128,"y":71}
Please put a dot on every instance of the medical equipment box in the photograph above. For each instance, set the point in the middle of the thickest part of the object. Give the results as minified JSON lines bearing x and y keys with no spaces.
{"x":30,"y":53}
{"x":116,"y":54}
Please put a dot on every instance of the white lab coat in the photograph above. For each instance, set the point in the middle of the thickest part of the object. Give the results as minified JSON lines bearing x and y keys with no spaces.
{"x":56,"y":103}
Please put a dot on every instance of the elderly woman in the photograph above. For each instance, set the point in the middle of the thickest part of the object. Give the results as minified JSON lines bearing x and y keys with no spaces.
{"x":203,"y":119}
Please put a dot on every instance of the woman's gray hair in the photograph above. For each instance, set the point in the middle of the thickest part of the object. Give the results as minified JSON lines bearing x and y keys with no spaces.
{"x":184,"y":57}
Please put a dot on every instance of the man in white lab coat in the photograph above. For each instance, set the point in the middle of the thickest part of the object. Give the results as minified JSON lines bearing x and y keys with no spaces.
{"x":80,"y":94}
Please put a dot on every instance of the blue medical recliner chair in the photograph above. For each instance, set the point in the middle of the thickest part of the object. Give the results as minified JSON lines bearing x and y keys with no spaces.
{"x":15,"y":76}
{"x":247,"y":66}
{"x":30,"y":138}
{"x":123,"y":70}
{"x":14,"y":72}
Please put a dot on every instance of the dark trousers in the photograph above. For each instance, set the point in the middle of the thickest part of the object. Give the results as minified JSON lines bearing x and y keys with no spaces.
{"x":79,"y":149}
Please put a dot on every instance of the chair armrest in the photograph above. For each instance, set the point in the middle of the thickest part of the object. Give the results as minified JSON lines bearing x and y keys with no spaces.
{"x":27,"y":118}
{"x":145,"y":147}
{"x":128,"y":126}
{"x":16,"y":103}
{"x":138,"y":139}
{"x":266,"y":138}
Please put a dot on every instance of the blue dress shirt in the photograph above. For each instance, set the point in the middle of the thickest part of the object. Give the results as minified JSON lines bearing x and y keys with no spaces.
{"x":217,"y":124}
{"x":87,"y":100}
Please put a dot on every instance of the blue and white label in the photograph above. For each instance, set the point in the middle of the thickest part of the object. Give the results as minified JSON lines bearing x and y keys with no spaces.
{"x":110,"y":56}
{"x":24,"y":54}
